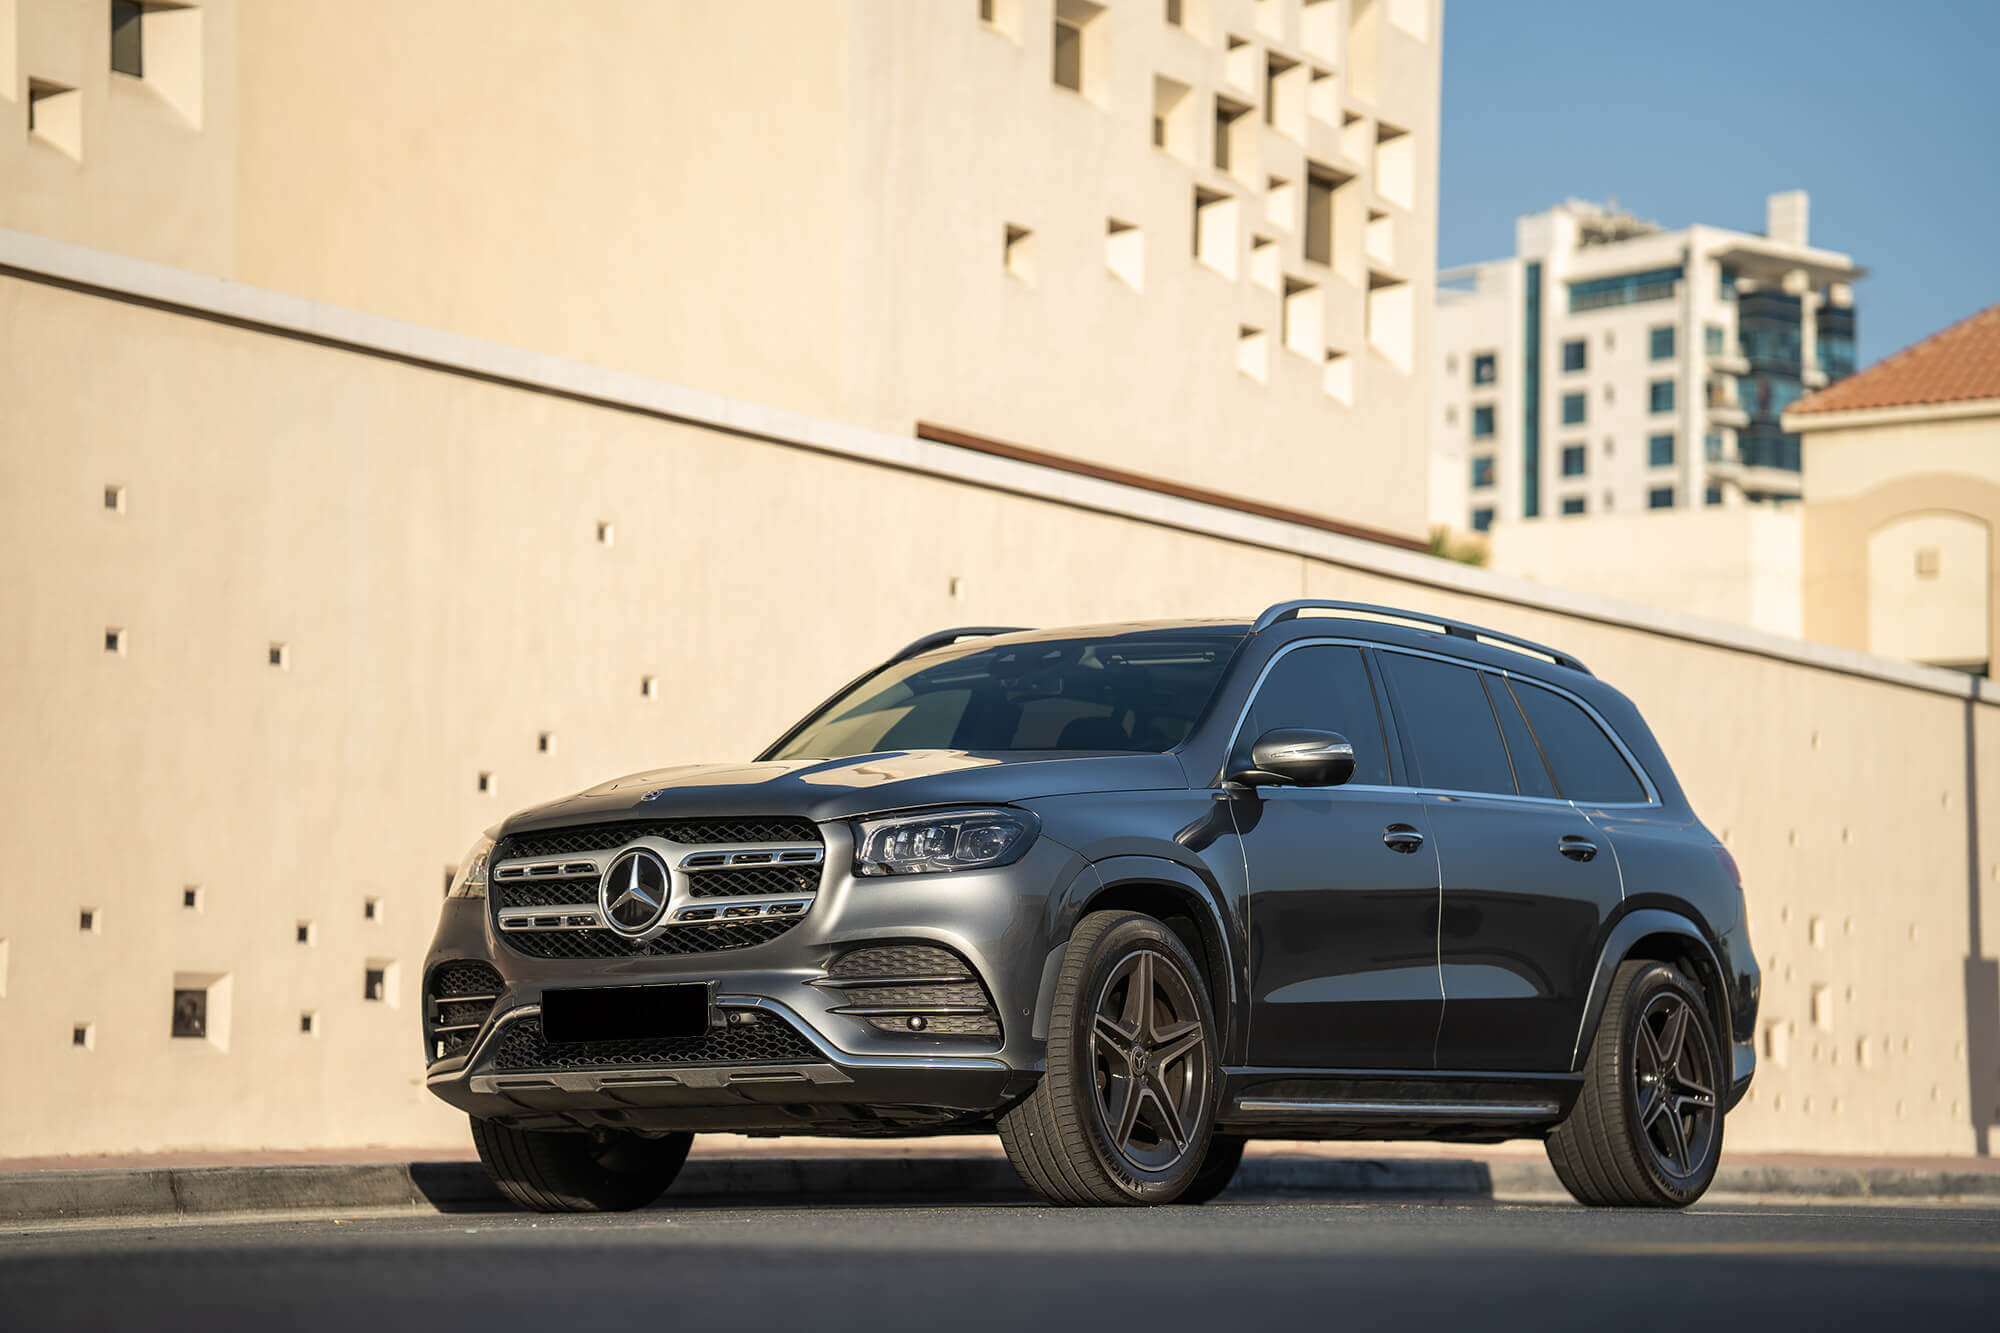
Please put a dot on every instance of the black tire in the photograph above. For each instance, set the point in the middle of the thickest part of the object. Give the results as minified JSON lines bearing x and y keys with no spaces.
{"x":547,"y":1171}
{"x":1218,"y":1168}
{"x":1646,"y":1130}
{"x":1124,"y":1113}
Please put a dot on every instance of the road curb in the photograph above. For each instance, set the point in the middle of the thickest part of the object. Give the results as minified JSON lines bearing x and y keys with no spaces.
{"x":462,"y":1186}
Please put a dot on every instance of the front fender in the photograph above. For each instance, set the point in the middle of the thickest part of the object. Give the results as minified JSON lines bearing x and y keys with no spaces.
{"x":1200,"y":896}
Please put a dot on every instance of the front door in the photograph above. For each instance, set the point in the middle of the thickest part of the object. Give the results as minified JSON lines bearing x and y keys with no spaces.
{"x":1343,"y":886}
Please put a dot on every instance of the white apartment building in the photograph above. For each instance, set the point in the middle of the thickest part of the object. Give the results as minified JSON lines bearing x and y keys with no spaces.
{"x":1612,"y":366}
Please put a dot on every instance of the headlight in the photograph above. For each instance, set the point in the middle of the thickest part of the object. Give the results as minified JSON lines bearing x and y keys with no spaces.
{"x":942,"y":840}
{"x":471,"y":881}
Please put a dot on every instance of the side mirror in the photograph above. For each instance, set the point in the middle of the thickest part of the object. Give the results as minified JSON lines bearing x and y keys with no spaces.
{"x":1298,"y":757}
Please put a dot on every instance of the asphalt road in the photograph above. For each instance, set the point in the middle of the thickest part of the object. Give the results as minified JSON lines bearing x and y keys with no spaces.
{"x":1281,"y":1264}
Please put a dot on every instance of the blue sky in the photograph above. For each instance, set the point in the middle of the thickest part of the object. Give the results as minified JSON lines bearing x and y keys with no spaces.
{"x":1693,"y":111}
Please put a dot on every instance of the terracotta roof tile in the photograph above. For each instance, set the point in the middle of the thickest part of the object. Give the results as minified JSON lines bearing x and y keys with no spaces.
{"x":1959,"y":364}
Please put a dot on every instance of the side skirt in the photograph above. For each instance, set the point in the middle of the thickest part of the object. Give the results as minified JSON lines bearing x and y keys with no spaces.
{"x":1394,"y":1104}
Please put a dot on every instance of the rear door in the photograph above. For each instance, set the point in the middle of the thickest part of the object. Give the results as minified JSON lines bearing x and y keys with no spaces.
{"x":1527,"y":881}
{"x":1343,"y":884}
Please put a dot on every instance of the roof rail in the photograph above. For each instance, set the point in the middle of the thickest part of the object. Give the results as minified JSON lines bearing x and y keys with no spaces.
{"x":946,"y":637}
{"x":1420,"y":620}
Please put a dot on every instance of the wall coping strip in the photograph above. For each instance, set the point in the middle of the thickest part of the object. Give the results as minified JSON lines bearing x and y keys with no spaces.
{"x":24,"y":255}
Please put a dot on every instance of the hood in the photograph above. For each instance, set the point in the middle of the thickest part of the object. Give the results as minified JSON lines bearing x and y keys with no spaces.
{"x":822,"y":789}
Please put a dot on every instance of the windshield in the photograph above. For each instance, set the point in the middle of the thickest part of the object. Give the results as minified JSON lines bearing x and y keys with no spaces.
{"x":1140,"y":692}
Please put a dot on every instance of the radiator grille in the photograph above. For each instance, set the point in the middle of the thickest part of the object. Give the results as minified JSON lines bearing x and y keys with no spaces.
{"x":672,"y":941}
{"x":767,"y":1041}
{"x":696,"y":832}
{"x":753,"y":880}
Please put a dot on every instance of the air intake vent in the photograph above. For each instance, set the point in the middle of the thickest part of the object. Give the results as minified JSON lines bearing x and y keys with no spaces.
{"x":458,"y":999}
{"x":764,"y":1041}
{"x":912,"y":990}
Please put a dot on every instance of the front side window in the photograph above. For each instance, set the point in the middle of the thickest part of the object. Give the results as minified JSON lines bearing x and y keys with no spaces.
{"x":1325,"y":687}
{"x":1587,"y":766}
{"x":1449,"y":723}
{"x":1139,"y":692}
{"x":1574,"y":406}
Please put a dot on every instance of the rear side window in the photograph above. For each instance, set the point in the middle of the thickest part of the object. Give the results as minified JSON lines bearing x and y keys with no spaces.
{"x":1588,"y":767}
{"x":1531,"y":774}
{"x":1449,"y":723}
{"x":1324,"y":687}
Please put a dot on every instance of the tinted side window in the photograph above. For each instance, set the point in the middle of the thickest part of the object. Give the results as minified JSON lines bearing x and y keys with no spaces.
{"x":1324,"y":687}
{"x":1443,"y":711}
{"x":1531,"y":774}
{"x":1587,"y":765}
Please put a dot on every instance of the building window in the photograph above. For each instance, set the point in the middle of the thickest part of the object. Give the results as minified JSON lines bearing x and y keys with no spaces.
{"x":1229,"y":113}
{"x":278,"y":655}
{"x":1660,"y":497}
{"x":1572,"y":505}
{"x":1576,"y":355}
{"x":1575,"y":460}
{"x":1712,"y":336}
{"x":1661,"y":344}
{"x":1173,"y":117}
{"x":1482,"y":421}
{"x":1712,"y":496}
{"x":191,"y":898}
{"x":1660,"y":396}
{"x":1625,"y":289}
{"x":1322,"y":183}
{"x":55,"y":116}
{"x":191,"y":1013}
{"x":127,"y":50}
{"x":1928,"y":562}
{"x":1215,"y":230}
{"x":375,"y":984}
{"x":1069,"y":55}
{"x":305,"y":932}
{"x":1660,"y":450}
{"x":1574,"y":407}
{"x":1482,"y":519}
{"x":84,"y":1035}
{"x":1485,"y":368}
{"x":1482,"y":473}
{"x":1253,"y":352}
{"x":1711,"y":446}
{"x":1125,"y":253}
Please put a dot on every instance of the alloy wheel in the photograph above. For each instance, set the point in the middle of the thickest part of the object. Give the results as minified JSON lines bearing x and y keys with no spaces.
{"x":1674,"y":1074}
{"x":1149,"y":1060}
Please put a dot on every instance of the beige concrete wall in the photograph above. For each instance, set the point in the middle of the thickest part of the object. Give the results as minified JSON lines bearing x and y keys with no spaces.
{"x":1882,"y":487}
{"x":1739,"y":564}
{"x":425,"y":544}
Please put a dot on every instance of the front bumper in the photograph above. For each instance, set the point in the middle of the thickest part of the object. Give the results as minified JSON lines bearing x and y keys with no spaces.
{"x":845,"y":1074}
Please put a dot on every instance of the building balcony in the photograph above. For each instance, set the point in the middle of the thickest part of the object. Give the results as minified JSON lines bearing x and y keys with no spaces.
{"x":1813,"y":378}
{"x":1755,"y":478}
{"x":1727,"y":414}
{"x":1729,"y":363}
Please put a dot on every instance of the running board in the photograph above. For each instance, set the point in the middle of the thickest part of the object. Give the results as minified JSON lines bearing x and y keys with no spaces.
{"x":1397,"y":1110}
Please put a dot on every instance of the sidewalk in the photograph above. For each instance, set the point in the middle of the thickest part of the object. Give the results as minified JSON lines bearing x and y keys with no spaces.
{"x":731,"y":1166}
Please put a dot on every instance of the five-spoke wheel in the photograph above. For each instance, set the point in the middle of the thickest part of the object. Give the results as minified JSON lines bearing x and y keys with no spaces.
{"x":1646,"y":1130}
{"x":1125,"y":1110}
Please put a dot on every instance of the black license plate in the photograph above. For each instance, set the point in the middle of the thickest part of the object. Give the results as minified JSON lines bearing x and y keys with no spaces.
{"x":625,"y":1013}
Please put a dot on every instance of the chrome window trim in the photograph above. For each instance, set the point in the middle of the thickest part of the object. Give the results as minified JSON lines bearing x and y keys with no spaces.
{"x":1652,"y":802}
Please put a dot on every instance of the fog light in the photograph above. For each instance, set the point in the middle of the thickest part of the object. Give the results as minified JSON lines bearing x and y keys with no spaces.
{"x":918,"y":1023}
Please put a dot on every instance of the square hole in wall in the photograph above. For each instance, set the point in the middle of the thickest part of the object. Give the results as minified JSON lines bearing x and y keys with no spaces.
{"x":114,"y":499}
{"x":371,"y":909}
{"x":486,"y":783}
{"x":649,"y":687}
{"x":1339,"y":381}
{"x":545,"y":742}
{"x":115,"y":640}
{"x":55,"y":116}
{"x":378,"y":981}
{"x":307,"y":933}
{"x":1822,"y":1008}
{"x":1017,"y":252}
{"x":1264,"y":263}
{"x":90,"y":919}
{"x":201,"y":1007}
{"x":1215,"y":230}
{"x":1125,"y":253}
{"x":279,"y":656}
{"x":1253,"y":352}
{"x":191,"y":898}
{"x":308,"y":1022}
{"x":84,"y":1035}
{"x":159,"y":43}
{"x":606,"y":533}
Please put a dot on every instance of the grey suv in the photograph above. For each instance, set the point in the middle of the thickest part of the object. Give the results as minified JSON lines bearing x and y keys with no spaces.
{"x":1129,"y":895}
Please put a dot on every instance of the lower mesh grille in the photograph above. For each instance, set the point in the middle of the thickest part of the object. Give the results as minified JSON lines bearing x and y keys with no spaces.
{"x":767,"y":1041}
{"x":913,"y":989}
{"x":458,"y":998}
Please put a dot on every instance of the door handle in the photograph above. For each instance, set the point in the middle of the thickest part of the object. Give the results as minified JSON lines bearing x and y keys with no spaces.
{"x":1402,"y":838}
{"x":1576,"y":847}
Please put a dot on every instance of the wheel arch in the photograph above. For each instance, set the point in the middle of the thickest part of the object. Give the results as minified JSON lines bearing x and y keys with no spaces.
{"x":1178,"y":899}
{"x":1662,"y":936}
